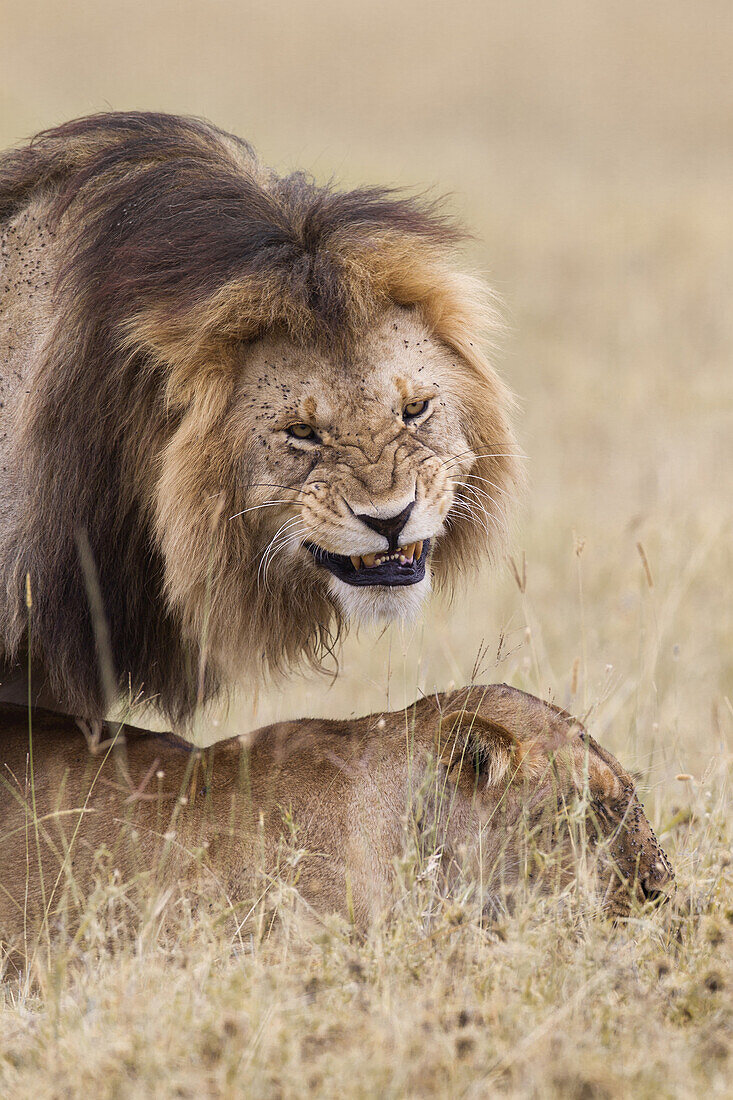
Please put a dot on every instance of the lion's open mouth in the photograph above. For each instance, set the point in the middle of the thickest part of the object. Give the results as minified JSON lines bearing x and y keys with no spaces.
{"x":406,"y":565}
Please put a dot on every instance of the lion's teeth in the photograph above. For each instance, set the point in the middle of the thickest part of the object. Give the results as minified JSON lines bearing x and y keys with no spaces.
{"x":356,"y":561}
{"x":405,"y":555}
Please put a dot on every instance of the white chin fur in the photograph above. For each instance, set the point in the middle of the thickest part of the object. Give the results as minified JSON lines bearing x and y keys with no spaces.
{"x":380,"y":602}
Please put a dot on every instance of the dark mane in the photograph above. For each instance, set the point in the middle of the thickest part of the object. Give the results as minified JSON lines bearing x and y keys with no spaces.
{"x":173,"y":209}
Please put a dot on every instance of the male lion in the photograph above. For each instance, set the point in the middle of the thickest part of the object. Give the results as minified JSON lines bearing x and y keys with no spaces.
{"x":489,"y":785}
{"x":236,"y":410}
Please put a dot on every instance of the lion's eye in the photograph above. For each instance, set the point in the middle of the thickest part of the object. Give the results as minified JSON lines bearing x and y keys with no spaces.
{"x":301,"y":431}
{"x":414,"y":409}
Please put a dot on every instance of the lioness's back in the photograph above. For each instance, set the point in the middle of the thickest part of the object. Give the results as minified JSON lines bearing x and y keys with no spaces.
{"x":135,"y":787}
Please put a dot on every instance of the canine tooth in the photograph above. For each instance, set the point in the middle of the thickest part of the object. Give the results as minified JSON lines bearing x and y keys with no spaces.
{"x":356,"y":561}
{"x":418,"y":550}
{"x":368,"y":560}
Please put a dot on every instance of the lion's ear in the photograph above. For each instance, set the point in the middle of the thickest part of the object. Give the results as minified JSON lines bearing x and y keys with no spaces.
{"x":468,"y":740}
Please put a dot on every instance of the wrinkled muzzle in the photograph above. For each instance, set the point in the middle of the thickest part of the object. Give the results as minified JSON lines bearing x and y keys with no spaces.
{"x":378,"y":532}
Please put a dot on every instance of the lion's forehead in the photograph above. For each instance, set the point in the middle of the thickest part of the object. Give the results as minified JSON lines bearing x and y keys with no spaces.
{"x":396,"y":360}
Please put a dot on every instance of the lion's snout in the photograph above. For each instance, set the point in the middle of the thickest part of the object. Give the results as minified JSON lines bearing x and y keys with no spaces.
{"x":389,"y":526}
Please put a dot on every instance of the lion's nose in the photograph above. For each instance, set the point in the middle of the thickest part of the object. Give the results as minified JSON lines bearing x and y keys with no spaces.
{"x":389,"y":526}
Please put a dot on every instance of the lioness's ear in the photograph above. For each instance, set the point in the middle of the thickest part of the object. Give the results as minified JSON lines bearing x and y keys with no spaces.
{"x":468,"y":740}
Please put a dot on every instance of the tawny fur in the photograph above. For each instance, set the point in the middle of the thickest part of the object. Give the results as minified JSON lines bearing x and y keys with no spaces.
{"x":485,"y":777}
{"x":167,"y":307}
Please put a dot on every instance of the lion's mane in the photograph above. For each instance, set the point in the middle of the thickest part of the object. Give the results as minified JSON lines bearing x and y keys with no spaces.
{"x":177,"y":247}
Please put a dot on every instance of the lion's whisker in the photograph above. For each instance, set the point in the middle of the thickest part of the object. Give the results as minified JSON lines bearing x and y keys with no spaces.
{"x":267,"y":504}
{"x":488,"y":454}
{"x":454,"y":458}
{"x":269,"y":549}
{"x":488,"y":481}
{"x":287,"y":537}
{"x":465,"y":508}
{"x":475,"y":489}
{"x":291,"y":538}
{"x":274,"y":485}
{"x":478,"y":493}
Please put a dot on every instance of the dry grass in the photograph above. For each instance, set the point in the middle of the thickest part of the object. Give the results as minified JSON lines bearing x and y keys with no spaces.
{"x":551,"y":1000}
{"x":589,"y":147}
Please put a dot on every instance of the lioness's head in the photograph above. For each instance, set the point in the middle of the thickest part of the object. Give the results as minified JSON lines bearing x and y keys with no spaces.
{"x":272,"y":392}
{"x":560,"y":795}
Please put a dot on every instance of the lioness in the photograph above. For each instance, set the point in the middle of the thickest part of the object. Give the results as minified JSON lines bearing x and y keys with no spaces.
{"x":487,"y":778}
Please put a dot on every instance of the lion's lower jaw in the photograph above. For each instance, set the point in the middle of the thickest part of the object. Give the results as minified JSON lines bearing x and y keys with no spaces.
{"x":380,"y":603}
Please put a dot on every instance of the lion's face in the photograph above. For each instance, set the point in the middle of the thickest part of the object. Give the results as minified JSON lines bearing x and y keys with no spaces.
{"x":355,"y":462}
{"x":317,"y":486}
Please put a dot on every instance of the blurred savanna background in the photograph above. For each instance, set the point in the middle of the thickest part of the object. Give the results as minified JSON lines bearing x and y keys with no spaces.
{"x":588,"y":146}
